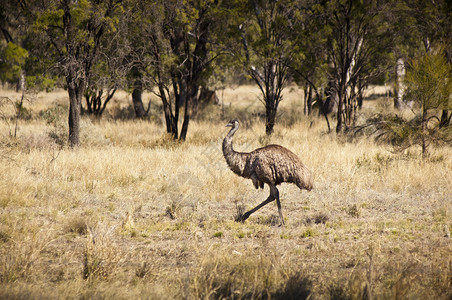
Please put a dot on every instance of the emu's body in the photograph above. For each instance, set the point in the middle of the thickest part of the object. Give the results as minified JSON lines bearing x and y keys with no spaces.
{"x":272,"y":165}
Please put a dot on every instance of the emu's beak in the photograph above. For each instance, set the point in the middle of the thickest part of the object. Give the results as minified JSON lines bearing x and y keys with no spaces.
{"x":229,"y":125}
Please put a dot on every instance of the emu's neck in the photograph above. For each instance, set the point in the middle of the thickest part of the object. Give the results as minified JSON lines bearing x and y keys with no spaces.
{"x":235,"y":160}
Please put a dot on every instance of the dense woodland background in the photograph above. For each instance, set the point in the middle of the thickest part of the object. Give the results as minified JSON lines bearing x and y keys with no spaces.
{"x":113,"y":183}
{"x":182,"y":50}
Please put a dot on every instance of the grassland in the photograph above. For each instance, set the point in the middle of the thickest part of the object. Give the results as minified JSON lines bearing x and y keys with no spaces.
{"x":131,"y":214}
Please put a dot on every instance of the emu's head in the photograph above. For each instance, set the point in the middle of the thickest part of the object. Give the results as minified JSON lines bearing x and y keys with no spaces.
{"x":233,"y":124}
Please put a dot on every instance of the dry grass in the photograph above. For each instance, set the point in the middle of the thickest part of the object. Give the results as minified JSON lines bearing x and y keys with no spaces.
{"x":133,"y":215}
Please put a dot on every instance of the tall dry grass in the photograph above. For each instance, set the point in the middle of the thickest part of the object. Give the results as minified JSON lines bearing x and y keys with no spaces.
{"x":131,"y":214}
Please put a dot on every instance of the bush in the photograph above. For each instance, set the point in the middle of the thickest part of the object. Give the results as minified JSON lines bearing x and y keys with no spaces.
{"x":429,"y":86}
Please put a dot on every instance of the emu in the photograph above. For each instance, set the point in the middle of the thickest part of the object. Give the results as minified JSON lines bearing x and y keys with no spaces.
{"x":271,"y":165}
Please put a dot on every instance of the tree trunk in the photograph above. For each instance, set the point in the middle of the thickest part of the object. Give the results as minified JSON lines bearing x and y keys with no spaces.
{"x":96,"y":103}
{"x":75,"y":101}
{"x":331,"y":102}
{"x":399,"y":89}
{"x":270,"y":115}
{"x":20,"y":87}
{"x":323,"y":106}
{"x":307,"y":100}
{"x":274,"y":84}
{"x":205,"y":98}
{"x":360,"y":95}
{"x":137,"y":100}
{"x":445,"y":119}
{"x":340,"y":108}
{"x":88,"y":103}
{"x":424,"y":132}
{"x":180,"y":94}
{"x":309,"y":104}
{"x":170,"y":119}
{"x":187,"y":113}
{"x":171,"y":124}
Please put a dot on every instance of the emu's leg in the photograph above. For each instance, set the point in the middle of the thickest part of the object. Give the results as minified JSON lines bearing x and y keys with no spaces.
{"x":248,"y":213}
{"x":278,"y":203}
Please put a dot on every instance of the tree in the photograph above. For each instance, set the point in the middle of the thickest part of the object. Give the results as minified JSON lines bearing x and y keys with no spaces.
{"x":358,"y":47}
{"x":406,"y":46}
{"x":109,"y":71}
{"x":309,"y":66}
{"x":421,"y":26}
{"x":12,"y":64}
{"x":433,"y":23}
{"x":174,"y":54}
{"x":16,"y":63}
{"x":13,"y":54}
{"x":138,"y":25}
{"x":268,"y":50}
{"x":429,"y":85}
{"x":74,"y":33}
{"x":137,"y":94}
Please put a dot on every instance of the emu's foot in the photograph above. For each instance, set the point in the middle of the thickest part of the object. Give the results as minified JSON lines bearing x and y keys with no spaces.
{"x":241,"y":217}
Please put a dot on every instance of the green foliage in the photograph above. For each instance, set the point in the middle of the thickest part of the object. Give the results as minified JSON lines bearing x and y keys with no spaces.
{"x":218,"y":234}
{"x":339,"y":46}
{"x":309,"y":232}
{"x":396,"y":131}
{"x":358,"y":43}
{"x":402,"y":133}
{"x":41,"y":82}
{"x":74,"y":38}
{"x":429,"y":81}
{"x":429,"y":87}
{"x":17,"y":60}
{"x":12,"y":62}
{"x":173,"y":49}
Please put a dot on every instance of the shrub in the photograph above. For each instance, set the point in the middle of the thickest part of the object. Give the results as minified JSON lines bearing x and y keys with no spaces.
{"x":429,"y":87}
